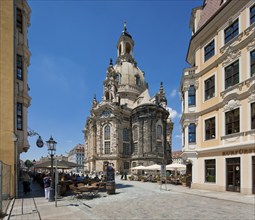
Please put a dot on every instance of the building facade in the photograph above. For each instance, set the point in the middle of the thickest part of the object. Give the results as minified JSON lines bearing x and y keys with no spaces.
{"x":127,"y":127}
{"x":177,"y":157}
{"x":76,"y":155}
{"x":218,"y":97}
{"x":14,"y":98}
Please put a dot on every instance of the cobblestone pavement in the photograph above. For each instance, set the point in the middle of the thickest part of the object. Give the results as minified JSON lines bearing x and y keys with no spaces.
{"x":136,"y":200}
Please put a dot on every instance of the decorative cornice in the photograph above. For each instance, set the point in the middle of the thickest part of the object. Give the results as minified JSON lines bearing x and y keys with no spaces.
{"x":231,"y":44}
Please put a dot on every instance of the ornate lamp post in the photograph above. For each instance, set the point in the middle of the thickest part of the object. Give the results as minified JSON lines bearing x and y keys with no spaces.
{"x":51,"y":149}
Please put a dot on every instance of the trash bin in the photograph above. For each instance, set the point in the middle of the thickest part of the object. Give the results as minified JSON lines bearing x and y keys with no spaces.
{"x":52,"y":195}
{"x":110,"y":187}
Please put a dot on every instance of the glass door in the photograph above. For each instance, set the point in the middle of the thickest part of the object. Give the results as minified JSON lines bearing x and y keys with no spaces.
{"x":233,"y":174}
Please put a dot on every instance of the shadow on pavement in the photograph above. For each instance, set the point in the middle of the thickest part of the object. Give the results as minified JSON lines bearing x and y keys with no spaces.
{"x":120,"y":185}
{"x":36,"y":191}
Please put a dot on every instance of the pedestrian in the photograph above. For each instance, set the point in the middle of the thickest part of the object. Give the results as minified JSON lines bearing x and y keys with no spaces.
{"x":46,"y":183}
{"x":125,"y":175}
{"x":122,"y":174}
{"x":26,"y":182}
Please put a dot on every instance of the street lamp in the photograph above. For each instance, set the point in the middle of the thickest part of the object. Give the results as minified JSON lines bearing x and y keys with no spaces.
{"x":51,"y":149}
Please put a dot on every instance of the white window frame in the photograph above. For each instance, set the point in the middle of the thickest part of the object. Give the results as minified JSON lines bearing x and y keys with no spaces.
{"x":248,"y":14}
{"x":216,"y":128}
{"x":215,"y":48}
{"x":248,"y":61}
{"x":215,"y":86}
{"x":240,"y":121}
{"x":216,"y":170}
{"x":249,"y":114}
{"x":223,"y":72}
{"x":225,"y":26}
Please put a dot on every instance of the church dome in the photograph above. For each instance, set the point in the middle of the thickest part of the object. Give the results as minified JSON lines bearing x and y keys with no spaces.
{"x":130,"y":78}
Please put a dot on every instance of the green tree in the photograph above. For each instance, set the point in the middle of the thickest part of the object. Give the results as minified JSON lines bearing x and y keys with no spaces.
{"x":28,"y":163}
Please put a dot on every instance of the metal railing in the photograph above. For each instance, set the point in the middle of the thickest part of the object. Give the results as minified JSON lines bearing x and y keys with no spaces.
{"x":5,"y":186}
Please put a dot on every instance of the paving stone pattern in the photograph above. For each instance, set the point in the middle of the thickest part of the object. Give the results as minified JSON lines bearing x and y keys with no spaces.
{"x":137,"y":200}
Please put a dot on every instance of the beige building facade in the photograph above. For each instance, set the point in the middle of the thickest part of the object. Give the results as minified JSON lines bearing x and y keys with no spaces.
{"x":218,"y":97}
{"x":14,"y":98}
{"x":127,"y":127}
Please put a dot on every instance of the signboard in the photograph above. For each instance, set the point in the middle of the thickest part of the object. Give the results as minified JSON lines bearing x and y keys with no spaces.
{"x":39,"y":143}
{"x":163,"y":170}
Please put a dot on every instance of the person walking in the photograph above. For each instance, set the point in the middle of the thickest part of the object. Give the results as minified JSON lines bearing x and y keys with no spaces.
{"x":46,"y":182}
{"x":26,"y":182}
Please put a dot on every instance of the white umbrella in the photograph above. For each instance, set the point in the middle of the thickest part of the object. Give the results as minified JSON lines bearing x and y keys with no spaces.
{"x":138,"y":168}
{"x":176,"y":166}
{"x":153,"y":167}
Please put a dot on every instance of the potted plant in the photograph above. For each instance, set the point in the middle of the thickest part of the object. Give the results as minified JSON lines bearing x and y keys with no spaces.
{"x":158,"y":179}
{"x":184,"y":180}
{"x":142,"y":179}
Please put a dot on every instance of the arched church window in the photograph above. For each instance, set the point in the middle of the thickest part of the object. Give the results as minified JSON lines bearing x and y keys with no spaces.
{"x":159,"y":132}
{"x":137,"y":80}
{"x":107,"y":147}
{"x":107,"y":131}
{"x":135,"y":140}
{"x":119,"y":49}
{"x":126,"y":150}
{"x":107,"y":143}
{"x":117,"y":78}
{"x":128,"y":48}
{"x":125,"y":134}
{"x":107,"y":96}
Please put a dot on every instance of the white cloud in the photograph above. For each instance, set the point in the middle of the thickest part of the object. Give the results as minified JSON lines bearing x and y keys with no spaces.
{"x":173,"y":93}
{"x":178,"y":136}
{"x":173,"y":113}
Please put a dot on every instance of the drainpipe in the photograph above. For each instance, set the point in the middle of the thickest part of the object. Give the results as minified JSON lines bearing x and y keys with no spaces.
{"x":15,"y":139}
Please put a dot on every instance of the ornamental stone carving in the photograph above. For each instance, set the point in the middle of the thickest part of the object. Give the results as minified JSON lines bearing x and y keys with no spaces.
{"x":231,"y":104}
{"x":251,"y":45}
{"x":186,"y":87}
{"x":231,"y":56}
{"x":196,"y":85}
{"x":250,"y":29}
{"x":251,"y":97}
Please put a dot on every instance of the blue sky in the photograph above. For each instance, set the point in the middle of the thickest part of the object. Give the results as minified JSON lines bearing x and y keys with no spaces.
{"x":71,"y":44}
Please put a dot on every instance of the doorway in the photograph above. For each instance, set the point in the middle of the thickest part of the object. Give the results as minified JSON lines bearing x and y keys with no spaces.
{"x":233,"y":174}
{"x":189,"y":174}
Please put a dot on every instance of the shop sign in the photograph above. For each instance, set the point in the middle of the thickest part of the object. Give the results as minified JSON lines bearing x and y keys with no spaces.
{"x":240,"y":151}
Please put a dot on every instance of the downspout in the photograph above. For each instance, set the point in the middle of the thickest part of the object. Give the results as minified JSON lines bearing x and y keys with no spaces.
{"x":15,"y":108}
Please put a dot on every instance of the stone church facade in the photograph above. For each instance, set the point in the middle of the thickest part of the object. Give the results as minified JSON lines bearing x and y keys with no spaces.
{"x":127,"y":127}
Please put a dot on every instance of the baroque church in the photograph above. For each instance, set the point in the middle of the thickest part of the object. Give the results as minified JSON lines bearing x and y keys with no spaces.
{"x":127,"y":127}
